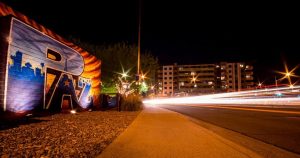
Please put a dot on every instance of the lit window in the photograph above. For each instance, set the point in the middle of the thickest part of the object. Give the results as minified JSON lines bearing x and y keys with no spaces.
{"x":210,"y":83}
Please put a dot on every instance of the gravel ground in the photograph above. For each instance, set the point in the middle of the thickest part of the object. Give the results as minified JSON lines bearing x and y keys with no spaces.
{"x":84,"y":134}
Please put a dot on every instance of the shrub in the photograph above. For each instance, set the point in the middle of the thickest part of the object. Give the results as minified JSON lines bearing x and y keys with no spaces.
{"x":131,"y":102}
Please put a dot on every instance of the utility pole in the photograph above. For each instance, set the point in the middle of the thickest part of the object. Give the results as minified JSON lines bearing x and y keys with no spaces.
{"x":139,"y":42}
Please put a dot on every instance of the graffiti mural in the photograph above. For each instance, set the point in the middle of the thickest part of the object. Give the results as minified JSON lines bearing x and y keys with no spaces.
{"x":22,"y":76}
{"x":43,"y":71}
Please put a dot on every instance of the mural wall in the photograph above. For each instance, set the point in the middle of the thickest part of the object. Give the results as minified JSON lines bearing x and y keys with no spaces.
{"x":43,"y":71}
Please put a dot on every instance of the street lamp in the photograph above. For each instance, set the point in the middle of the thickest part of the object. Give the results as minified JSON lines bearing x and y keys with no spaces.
{"x":124,"y":75}
{"x":288,"y":74}
{"x":194,"y":80}
{"x":152,"y":87}
{"x":259,"y":85}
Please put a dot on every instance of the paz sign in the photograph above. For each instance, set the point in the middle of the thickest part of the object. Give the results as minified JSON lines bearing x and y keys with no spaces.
{"x":41,"y":70}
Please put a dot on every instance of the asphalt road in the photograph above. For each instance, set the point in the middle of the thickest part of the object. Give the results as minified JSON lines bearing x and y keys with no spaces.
{"x":279,"y":127}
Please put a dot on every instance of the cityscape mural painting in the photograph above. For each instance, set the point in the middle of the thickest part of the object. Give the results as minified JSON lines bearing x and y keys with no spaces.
{"x":42,"y":70}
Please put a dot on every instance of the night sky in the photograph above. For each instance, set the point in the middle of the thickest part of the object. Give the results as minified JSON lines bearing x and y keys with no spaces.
{"x":185,"y":32}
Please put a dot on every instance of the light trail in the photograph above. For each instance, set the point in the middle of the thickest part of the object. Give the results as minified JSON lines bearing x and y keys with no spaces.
{"x":253,"y":109}
{"x":273,"y":96}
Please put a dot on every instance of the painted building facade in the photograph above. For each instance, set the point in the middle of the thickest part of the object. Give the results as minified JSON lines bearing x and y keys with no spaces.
{"x":41,"y":70}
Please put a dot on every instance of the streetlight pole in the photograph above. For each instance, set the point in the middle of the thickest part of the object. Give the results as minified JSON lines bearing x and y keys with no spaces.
{"x":139,"y":43}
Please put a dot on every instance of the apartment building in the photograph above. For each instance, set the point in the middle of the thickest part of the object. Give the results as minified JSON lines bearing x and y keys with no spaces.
{"x":166,"y":82}
{"x":204,"y":78}
{"x":196,"y":78}
{"x":234,"y":76}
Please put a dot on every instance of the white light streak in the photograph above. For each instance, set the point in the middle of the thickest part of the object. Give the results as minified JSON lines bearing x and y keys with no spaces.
{"x":287,"y":96}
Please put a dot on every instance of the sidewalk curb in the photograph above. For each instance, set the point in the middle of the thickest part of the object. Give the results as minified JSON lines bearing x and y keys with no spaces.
{"x":236,"y":139}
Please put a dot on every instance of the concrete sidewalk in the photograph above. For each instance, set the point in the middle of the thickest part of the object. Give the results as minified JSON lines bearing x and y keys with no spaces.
{"x":157,"y":132}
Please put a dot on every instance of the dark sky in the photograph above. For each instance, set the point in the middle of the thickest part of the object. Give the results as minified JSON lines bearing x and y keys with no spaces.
{"x":186,"y":32}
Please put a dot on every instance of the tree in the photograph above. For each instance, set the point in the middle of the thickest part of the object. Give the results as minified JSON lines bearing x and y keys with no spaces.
{"x":118,"y":58}
{"x":122,"y":57}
